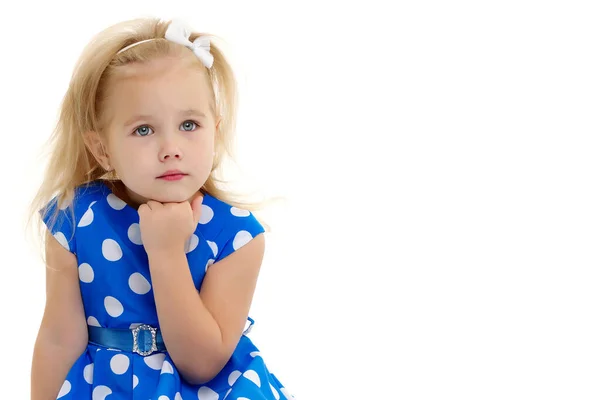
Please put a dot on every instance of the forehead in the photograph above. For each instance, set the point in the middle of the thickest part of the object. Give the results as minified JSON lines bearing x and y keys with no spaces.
{"x":159,"y":85}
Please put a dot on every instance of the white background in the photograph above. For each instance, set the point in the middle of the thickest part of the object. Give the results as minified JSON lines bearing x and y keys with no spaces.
{"x":440,"y":162}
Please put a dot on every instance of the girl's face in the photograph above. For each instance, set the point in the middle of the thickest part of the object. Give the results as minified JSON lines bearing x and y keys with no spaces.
{"x":160,"y":138}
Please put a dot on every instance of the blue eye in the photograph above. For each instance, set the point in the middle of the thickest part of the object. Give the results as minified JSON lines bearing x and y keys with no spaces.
{"x":143,"y":130}
{"x":189,"y":125}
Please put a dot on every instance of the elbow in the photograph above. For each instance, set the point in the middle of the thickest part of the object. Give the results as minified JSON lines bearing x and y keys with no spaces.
{"x":194,"y":380}
{"x":75,"y":339}
{"x":68,"y":347}
{"x":197,"y":376}
{"x":201,"y":369}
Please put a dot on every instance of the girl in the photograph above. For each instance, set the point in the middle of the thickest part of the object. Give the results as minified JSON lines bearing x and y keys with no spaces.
{"x":151,"y":266}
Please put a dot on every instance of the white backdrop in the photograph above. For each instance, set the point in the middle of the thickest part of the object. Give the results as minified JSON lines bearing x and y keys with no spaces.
{"x":440,"y":162}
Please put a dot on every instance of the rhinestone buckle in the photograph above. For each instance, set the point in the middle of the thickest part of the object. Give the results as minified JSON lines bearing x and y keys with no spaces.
{"x":136,"y":332}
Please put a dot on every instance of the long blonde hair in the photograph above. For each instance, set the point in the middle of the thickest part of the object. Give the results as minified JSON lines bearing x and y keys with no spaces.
{"x":71,"y":163}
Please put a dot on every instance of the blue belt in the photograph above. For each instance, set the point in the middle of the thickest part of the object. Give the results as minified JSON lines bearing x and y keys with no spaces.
{"x":143,"y":340}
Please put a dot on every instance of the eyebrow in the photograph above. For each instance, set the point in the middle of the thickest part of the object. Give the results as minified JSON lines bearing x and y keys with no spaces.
{"x":184,"y":113}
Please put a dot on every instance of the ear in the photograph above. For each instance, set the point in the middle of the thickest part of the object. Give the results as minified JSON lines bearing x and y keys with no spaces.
{"x":97,"y":147}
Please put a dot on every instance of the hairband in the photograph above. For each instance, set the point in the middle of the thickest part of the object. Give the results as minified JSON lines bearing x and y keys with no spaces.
{"x":178,"y":32}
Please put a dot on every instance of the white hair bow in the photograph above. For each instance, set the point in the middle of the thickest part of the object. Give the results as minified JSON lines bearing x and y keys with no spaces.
{"x":179,"y":32}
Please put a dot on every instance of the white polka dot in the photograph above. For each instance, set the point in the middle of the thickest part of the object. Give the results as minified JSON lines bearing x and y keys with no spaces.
{"x":62,"y":239}
{"x":206,"y":214}
{"x":178,"y":396}
{"x":86,"y":273}
{"x":88,"y":373}
{"x":206,"y":393}
{"x":163,"y":397}
{"x":213,"y":246}
{"x":227,"y":394}
{"x":135,"y":381}
{"x":87,"y":218}
{"x":64,"y":389}
{"x":135,"y":325}
{"x":119,"y":364}
{"x":167,"y":368}
{"x":256,"y":354}
{"x":92,"y":321}
{"x":275,"y":392}
{"x":111,"y":250}
{"x":138,"y":284}
{"x":241,"y":238}
{"x":114,"y":308}
{"x":100,"y":392}
{"x":208,"y":264}
{"x":92,"y":203}
{"x":243,"y":398}
{"x":192,"y":243}
{"x":134,"y":234}
{"x":155,"y":361}
{"x":233,"y":377}
{"x":238,"y":212}
{"x":253,"y":376}
{"x":115,"y":202}
{"x":286,"y":393}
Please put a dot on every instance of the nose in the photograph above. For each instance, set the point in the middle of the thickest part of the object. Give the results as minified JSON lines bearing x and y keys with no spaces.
{"x":170,"y":150}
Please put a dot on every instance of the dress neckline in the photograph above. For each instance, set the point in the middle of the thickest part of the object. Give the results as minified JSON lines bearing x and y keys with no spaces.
{"x":107,"y":190}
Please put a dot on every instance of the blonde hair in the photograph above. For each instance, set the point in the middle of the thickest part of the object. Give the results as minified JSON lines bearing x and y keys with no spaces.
{"x":72,"y":163}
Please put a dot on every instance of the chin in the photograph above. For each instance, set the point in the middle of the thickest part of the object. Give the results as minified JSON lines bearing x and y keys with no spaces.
{"x":174,"y":196}
{"x":167,"y":198}
{"x":172,"y":192}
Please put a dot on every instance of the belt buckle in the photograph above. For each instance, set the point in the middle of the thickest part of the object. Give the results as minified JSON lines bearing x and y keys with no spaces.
{"x":136,"y":348}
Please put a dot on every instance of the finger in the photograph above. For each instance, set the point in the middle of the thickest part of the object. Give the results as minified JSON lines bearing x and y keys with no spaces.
{"x":143,"y":209}
{"x":197,"y":207}
{"x":152,"y":205}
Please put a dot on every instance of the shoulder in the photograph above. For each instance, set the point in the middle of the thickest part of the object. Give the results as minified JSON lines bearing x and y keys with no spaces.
{"x":226,"y":226}
{"x":62,"y":218}
{"x":83,"y":197}
{"x":222,"y":216}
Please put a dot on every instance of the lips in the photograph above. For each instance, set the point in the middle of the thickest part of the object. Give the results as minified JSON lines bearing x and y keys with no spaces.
{"x":172,"y":173}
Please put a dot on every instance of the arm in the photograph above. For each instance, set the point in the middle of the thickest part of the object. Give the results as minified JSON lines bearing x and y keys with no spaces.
{"x":202,"y":330}
{"x":62,"y":336}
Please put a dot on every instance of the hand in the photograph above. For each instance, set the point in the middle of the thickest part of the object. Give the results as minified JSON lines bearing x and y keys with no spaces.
{"x":166,"y":227}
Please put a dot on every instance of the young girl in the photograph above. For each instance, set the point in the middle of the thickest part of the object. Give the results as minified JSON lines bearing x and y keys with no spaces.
{"x":151,"y":266}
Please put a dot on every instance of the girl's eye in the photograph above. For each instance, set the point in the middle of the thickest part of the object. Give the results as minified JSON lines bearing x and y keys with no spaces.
{"x":189,"y":125}
{"x":143,"y":130}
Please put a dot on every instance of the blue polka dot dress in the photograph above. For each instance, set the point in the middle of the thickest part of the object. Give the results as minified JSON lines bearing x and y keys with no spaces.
{"x":116,"y":289}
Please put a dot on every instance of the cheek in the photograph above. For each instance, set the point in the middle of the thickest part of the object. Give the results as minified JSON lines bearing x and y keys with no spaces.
{"x":204,"y":158}
{"x":205,"y":147}
{"x":123,"y":154}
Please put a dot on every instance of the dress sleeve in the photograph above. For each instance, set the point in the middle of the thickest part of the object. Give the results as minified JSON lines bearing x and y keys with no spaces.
{"x":59,"y":222}
{"x":241,"y":228}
